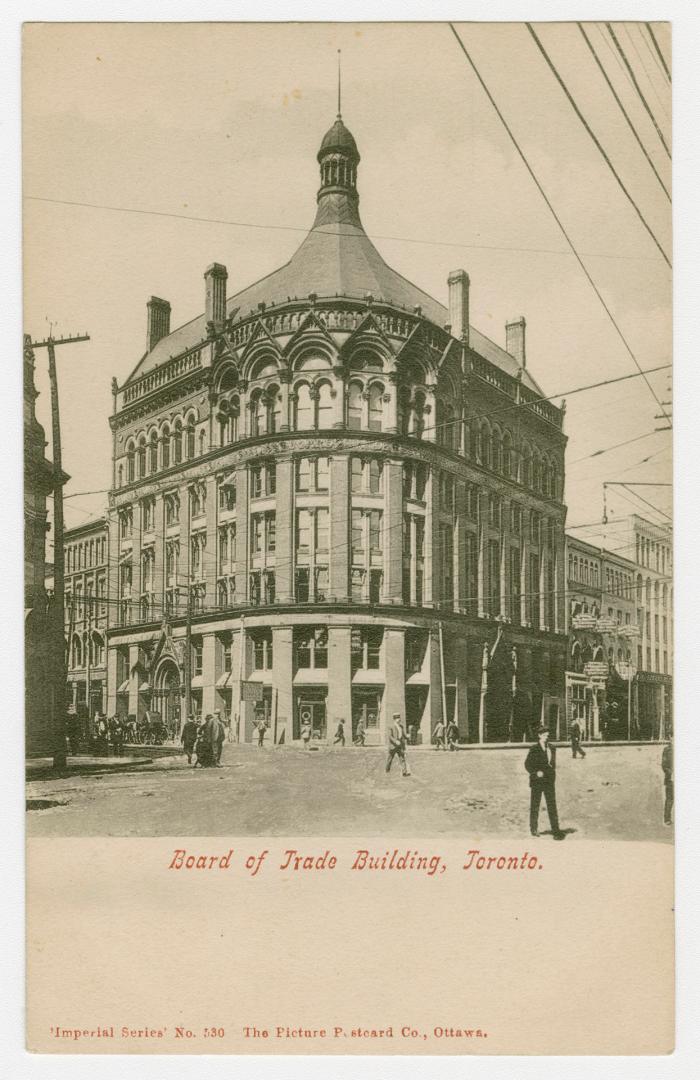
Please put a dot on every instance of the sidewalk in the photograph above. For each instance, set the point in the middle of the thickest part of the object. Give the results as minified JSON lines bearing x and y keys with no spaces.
{"x":41,"y":768}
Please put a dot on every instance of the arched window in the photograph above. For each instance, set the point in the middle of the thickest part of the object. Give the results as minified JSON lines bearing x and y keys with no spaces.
{"x":190,"y":438}
{"x":526,"y":468}
{"x":418,"y":414}
{"x":153,"y":443}
{"x":376,"y":407}
{"x":507,"y":455}
{"x":177,"y":443}
{"x":142,"y":456}
{"x":274,"y":406}
{"x":202,"y":442}
{"x":325,"y":406}
{"x":258,"y":412}
{"x":130,"y":462}
{"x":535,"y":473}
{"x":496,"y":451}
{"x":304,"y":413}
{"x":120,"y":476}
{"x":404,"y":410}
{"x":165,"y":447}
{"x":355,"y":406}
{"x":485,"y":446}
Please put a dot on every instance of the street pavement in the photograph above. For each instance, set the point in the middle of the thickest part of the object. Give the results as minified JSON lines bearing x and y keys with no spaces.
{"x":614,"y":793}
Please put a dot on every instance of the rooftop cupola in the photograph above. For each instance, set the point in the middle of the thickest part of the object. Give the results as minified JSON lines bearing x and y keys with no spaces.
{"x":338,"y":157}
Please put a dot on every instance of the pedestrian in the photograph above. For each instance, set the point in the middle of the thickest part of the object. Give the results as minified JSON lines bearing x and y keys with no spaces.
{"x":220,"y":735}
{"x":262,"y":728}
{"x":439,"y":736}
{"x":102,"y":736}
{"x":74,"y":731}
{"x":306,"y":733}
{"x":452,"y":735}
{"x":576,"y":736}
{"x":117,"y":735}
{"x":541,"y":764}
{"x":189,"y":737}
{"x":360,"y":732}
{"x":413,"y":734}
{"x":340,"y":733}
{"x":397,"y":745}
{"x":205,"y":745}
{"x":667,"y":766}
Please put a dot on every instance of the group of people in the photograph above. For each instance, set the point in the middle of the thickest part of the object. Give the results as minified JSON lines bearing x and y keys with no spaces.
{"x":204,"y":739}
{"x":445,"y":735}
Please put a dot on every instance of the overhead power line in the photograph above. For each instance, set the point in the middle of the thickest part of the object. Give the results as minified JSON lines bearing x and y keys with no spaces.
{"x":556,"y":217}
{"x":624,"y":112}
{"x":304,"y":229}
{"x":637,"y":87}
{"x":660,"y":55}
{"x":616,"y":446}
{"x":552,"y":67}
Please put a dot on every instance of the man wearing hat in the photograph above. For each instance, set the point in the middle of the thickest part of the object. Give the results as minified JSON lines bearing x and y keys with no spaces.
{"x":397,"y":745}
{"x":541,"y":764}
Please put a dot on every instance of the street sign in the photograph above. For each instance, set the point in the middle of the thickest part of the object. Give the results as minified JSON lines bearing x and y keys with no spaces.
{"x":607,"y":625}
{"x":584,"y":621}
{"x":630,"y":630}
{"x":596,"y":669}
{"x":626,"y":670}
{"x":251,"y":691}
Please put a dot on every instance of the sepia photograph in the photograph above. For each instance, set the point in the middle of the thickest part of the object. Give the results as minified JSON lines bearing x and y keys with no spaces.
{"x":349,"y":537}
{"x":348,"y":430}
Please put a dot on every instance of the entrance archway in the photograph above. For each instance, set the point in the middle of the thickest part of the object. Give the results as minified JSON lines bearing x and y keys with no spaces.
{"x":166,"y":694}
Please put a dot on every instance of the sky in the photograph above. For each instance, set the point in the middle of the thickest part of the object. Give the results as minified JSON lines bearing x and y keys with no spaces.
{"x":223,"y":121}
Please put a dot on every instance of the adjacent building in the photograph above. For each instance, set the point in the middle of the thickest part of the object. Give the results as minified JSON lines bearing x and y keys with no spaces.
{"x":42,"y":636}
{"x":620,"y":657}
{"x":86,"y":615}
{"x":333,"y":497}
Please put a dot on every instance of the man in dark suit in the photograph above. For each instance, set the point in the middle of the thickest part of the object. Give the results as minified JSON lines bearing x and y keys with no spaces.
{"x":541,"y":764}
{"x":397,"y":745}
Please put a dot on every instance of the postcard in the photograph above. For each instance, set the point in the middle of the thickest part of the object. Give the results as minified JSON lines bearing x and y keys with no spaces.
{"x":348,"y":538}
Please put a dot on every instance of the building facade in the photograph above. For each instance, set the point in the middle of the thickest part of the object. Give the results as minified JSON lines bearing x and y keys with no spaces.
{"x":86,"y":615}
{"x":333,"y":498}
{"x":620,"y":656}
{"x":42,"y":636}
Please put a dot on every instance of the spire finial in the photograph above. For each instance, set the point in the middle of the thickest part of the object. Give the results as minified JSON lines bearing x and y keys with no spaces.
{"x":339,"y":116}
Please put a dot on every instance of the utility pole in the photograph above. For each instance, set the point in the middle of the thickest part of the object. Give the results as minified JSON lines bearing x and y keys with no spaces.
{"x":59,"y":652}
{"x":88,"y":659}
{"x":188,"y":649}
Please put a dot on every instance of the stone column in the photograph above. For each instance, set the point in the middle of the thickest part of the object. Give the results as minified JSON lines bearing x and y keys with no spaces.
{"x":393,"y":532}
{"x":462,"y":705}
{"x":560,"y":579}
{"x":159,"y":553}
{"x":482,"y":557}
{"x":431,"y":562}
{"x":135,"y":566}
{"x":339,"y":399}
{"x":282,"y":676}
{"x":285,"y":419}
{"x":242,"y":481}
{"x":340,"y":528}
{"x":505,"y":558}
{"x":284,"y":550}
{"x":394,"y":680}
{"x":209,"y":644}
{"x":434,"y":713}
{"x":133,"y":681}
{"x":460,"y":548}
{"x":391,"y":402}
{"x":183,"y":575}
{"x":211,"y":552}
{"x":112,"y":656}
{"x":339,"y":700}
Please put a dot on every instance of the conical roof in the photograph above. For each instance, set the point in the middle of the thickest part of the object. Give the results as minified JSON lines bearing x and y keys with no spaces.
{"x":336,"y":258}
{"x":339,"y":138}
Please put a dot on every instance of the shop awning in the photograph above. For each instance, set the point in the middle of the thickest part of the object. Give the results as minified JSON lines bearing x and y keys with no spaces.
{"x":124,"y":688}
{"x":223,"y":680}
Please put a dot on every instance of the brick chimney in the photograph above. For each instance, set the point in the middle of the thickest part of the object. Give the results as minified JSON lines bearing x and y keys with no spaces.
{"x":515,"y":340}
{"x":458,"y":285}
{"x":215,"y":278}
{"x":158,"y":321}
